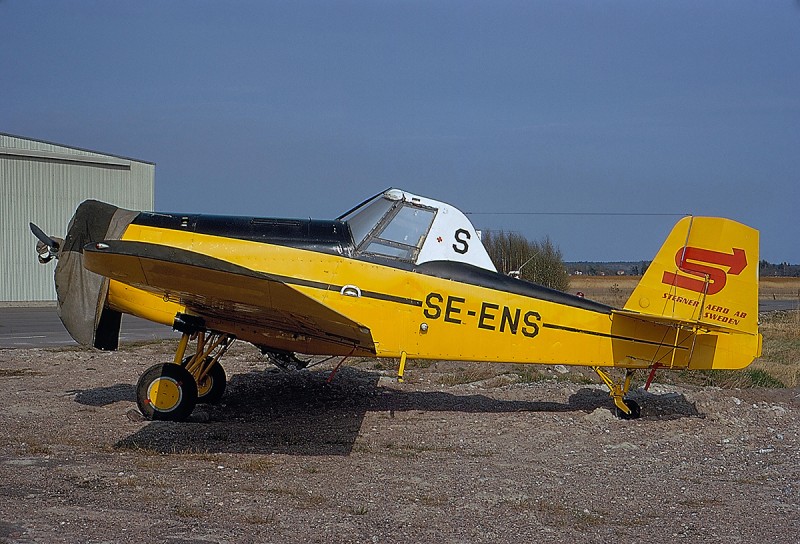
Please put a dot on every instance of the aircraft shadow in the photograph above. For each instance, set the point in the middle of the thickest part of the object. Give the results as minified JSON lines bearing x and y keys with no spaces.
{"x":102,"y":396}
{"x":299,"y":414}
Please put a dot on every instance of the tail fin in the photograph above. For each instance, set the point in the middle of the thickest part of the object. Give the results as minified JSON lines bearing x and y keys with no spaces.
{"x":707,"y":273}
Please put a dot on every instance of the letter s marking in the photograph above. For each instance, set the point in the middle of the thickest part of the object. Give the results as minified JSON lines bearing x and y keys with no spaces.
{"x":462,"y":246}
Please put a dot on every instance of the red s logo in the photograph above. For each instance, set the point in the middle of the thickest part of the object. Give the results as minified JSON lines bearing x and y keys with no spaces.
{"x":695,"y":261}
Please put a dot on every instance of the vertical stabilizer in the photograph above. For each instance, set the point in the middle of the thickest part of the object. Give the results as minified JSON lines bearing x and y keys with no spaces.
{"x":707,"y":273}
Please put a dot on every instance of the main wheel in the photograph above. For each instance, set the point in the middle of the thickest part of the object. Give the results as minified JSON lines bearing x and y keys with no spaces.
{"x":636,"y":412}
{"x":211,"y":388}
{"x":166,"y":392}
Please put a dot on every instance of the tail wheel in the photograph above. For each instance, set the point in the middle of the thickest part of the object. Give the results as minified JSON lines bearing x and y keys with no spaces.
{"x":166,"y":392}
{"x":633,"y":406}
{"x":211,"y":388}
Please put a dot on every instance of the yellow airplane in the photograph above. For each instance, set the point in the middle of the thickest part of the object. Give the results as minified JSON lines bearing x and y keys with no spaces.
{"x":397,"y":276}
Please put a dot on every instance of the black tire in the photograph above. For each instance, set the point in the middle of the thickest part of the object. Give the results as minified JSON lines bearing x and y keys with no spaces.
{"x":636,"y":411}
{"x":212,"y":388}
{"x":166,"y":392}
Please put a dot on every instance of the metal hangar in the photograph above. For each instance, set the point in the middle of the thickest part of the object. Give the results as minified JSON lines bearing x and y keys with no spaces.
{"x":43,"y":183}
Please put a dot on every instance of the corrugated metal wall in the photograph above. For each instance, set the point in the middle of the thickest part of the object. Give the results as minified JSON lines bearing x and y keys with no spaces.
{"x":43,"y":183}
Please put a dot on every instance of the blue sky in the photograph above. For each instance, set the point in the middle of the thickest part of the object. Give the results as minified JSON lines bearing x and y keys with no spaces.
{"x":305,"y":108}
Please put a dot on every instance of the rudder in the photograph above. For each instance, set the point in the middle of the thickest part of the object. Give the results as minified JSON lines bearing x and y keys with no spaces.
{"x":707,"y":273}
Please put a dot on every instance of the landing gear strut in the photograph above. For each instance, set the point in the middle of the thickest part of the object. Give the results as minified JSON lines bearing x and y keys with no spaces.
{"x":623,"y":408}
{"x":210,"y":388}
{"x":170,"y":391}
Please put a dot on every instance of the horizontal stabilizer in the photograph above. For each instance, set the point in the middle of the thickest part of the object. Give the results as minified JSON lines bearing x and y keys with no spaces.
{"x":674,"y":322}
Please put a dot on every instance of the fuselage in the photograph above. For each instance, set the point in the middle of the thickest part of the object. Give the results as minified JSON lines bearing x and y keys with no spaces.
{"x":431,"y":310}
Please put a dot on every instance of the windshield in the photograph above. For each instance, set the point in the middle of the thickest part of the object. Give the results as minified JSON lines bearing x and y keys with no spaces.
{"x":390,"y":228}
{"x":365,"y":218}
{"x":409,"y":226}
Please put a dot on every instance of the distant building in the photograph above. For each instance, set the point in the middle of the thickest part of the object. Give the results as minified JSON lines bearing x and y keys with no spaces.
{"x":43,"y":183}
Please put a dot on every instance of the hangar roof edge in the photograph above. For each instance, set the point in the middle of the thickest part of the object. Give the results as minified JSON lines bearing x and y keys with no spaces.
{"x":75,"y":148}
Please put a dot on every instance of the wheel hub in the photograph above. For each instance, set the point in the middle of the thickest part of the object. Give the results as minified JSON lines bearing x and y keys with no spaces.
{"x":164,"y":394}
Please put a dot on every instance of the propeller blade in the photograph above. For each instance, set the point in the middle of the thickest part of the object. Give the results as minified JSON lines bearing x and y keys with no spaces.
{"x":43,"y":238}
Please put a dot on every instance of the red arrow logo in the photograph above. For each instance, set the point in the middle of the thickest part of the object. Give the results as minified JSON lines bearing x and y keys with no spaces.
{"x":694,"y":261}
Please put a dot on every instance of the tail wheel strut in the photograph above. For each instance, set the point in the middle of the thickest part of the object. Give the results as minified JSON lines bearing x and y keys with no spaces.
{"x":623,"y":408}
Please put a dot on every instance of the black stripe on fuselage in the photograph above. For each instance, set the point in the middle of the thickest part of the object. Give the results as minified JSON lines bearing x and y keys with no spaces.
{"x":311,"y":234}
{"x":338,"y":288}
{"x":609,"y":335}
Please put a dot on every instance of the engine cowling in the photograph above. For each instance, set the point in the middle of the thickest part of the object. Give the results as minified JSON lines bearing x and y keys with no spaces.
{"x":82,"y":294}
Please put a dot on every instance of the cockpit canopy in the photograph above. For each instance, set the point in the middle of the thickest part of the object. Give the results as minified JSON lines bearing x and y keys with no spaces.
{"x":401,"y":226}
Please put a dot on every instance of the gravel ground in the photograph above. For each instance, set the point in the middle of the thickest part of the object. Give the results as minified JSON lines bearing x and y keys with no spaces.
{"x":287,"y":458}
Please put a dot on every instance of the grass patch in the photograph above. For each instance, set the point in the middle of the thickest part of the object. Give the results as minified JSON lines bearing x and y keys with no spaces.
{"x":413,"y":450}
{"x":258,"y":465}
{"x":474,"y":373}
{"x":148,"y":450}
{"x":731,"y":379}
{"x":615,"y":290}
{"x":128,"y":482}
{"x":35,"y":448}
{"x":141,"y":449}
{"x":433,"y":500}
{"x":527,"y":374}
{"x":18,"y":372}
{"x":780,"y":358}
{"x":612,"y":290}
{"x":574,"y":377}
{"x":761,"y":378}
{"x":189,"y":511}
{"x":779,"y":288}
{"x":778,"y":366}
{"x":555,"y":514}
{"x":305,"y":499}
{"x":419,"y":363}
{"x":522,"y":503}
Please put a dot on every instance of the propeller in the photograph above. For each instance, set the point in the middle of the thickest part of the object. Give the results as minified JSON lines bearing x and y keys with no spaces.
{"x":47,"y":247}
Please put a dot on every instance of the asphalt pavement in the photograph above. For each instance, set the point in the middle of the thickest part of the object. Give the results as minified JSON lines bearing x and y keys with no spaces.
{"x":41,"y":327}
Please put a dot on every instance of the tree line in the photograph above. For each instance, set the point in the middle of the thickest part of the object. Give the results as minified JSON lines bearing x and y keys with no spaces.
{"x":537,"y":261}
{"x":540,"y":261}
{"x":785,"y":270}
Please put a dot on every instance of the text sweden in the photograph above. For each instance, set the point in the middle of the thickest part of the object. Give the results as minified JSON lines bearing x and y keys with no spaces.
{"x":713,"y":312}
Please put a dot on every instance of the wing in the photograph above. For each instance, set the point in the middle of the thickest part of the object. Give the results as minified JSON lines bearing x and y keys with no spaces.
{"x":226,"y":291}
